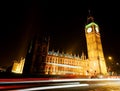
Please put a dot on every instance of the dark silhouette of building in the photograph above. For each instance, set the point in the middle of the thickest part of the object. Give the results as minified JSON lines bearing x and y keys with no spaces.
{"x":36,"y":55}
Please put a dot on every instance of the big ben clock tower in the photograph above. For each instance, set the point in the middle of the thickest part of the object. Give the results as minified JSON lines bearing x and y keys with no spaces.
{"x":94,"y":47}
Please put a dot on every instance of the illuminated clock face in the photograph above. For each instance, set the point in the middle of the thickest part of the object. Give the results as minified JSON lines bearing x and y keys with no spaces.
{"x":89,"y":29}
{"x":97,"y":30}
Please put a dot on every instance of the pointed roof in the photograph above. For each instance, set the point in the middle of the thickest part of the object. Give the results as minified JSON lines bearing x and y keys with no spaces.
{"x":90,"y":17}
{"x":90,"y":20}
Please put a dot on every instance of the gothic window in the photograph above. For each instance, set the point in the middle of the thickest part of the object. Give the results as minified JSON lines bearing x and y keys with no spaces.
{"x":44,"y":50}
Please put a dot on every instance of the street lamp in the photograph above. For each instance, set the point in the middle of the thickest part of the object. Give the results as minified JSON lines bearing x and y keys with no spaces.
{"x":109,"y":57}
{"x":111,"y":65}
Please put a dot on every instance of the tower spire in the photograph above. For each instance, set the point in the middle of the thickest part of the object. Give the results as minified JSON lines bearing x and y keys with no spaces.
{"x":89,"y":12}
{"x":90,"y":17}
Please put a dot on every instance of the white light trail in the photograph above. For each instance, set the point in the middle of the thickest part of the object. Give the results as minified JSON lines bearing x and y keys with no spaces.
{"x":51,"y":87}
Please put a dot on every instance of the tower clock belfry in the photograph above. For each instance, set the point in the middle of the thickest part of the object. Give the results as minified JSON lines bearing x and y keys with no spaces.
{"x":94,"y":47}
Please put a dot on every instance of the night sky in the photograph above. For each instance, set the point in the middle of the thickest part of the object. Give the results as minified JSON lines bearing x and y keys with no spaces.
{"x":63,"y":20}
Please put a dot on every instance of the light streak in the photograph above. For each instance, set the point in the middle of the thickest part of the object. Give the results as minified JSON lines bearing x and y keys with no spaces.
{"x":65,"y":65}
{"x":64,"y":82}
{"x":57,"y":80}
{"x":51,"y":87}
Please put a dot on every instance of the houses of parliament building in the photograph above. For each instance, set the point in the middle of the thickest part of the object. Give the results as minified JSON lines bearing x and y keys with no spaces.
{"x":39,"y":60}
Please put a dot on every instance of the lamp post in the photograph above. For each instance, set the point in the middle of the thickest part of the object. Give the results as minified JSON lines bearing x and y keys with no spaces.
{"x":110,"y":65}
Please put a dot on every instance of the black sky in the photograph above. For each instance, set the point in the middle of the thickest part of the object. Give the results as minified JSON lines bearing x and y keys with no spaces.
{"x":63,"y":20}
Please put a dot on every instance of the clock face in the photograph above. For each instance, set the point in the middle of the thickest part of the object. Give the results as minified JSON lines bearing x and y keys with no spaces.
{"x":89,"y":29}
{"x":96,"y":28}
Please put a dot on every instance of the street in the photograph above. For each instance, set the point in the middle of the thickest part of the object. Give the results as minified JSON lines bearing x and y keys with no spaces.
{"x":102,"y":86}
{"x":61,"y":85}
